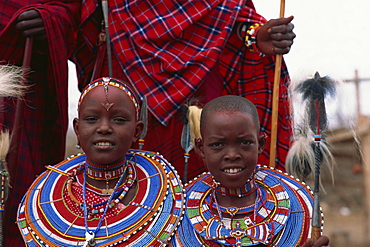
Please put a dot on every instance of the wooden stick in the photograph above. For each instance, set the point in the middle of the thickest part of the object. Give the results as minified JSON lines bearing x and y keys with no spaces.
{"x":275,"y":98}
{"x":18,"y":118}
{"x":107,"y":35}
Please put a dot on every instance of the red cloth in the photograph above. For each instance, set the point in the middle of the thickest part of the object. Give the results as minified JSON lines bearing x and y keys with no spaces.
{"x":172,"y":51}
{"x":45,"y":117}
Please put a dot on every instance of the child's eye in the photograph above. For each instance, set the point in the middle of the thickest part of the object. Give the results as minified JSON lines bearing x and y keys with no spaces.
{"x":247,"y":142}
{"x":91,"y":119}
{"x":215,"y":144}
{"x":119,"y":119}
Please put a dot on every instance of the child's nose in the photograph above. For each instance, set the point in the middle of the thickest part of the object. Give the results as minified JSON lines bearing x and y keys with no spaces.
{"x":105,"y":127}
{"x":232,"y":154}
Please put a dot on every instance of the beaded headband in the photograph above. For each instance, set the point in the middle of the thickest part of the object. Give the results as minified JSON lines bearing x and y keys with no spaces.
{"x":107,"y":81}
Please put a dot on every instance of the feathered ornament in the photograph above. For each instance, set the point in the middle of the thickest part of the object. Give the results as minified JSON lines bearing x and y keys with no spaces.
{"x":310,"y":150}
{"x":190,"y":131}
{"x":10,"y":86}
{"x":10,"y":81}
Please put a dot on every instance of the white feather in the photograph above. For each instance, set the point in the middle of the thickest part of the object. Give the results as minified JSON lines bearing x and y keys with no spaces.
{"x":11,"y":78}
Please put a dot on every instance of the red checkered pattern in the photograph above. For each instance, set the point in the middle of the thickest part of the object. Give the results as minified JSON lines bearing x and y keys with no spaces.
{"x":173,"y":51}
{"x":45,"y":116}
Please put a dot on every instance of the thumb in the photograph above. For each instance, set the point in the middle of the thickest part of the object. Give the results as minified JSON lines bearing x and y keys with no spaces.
{"x":279,"y":21}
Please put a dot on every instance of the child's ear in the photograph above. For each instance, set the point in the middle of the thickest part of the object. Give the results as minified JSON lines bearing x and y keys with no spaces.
{"x":261,"y":142}
{"x":199,"y":147}
{"x":76,"y":122}
{"x":138,"y":130}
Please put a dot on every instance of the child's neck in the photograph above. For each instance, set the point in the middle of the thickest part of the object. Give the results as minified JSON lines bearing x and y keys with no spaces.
{"x":233,"y":201}
{"x":248,"y":188}
{"x":236,"y":197}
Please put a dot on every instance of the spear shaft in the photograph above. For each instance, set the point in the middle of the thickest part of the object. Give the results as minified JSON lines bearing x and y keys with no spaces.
{"x":106,"y":23}
{"x":18,"y":122}
{"x":275,"y":97}
{"x":18,"y":118}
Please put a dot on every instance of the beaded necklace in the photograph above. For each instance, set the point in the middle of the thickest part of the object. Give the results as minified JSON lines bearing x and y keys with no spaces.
{"x":258,"y":228}
{"x":48,"y":217}
{"x":90,"y":235}
{"x":248,"y":188}
{"x":105,"y":172}
{"x":232,"y":211}
{"x":118,"y":195}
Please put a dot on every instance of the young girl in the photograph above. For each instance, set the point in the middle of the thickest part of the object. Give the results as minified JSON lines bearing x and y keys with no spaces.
{"x":238,"y":203}
{"x":111,"y":195}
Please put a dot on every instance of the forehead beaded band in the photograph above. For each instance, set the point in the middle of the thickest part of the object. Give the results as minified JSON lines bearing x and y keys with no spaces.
{"x":107,"y":81}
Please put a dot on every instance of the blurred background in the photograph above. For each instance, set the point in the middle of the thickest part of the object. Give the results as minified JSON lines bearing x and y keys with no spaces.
{"x":332,"y":39}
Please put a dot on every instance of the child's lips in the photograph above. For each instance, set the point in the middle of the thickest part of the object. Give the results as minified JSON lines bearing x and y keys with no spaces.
{"x":232,"y":170}
{"x":103,"y":144}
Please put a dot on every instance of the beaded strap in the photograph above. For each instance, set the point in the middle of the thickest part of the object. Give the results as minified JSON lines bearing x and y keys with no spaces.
{"x":251,"y":37}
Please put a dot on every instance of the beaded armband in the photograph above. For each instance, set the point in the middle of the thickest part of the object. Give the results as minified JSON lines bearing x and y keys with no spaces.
{"x":250,"y":37}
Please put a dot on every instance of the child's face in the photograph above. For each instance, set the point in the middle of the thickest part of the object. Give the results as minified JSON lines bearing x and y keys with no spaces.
{"x":230,"y":147}
{"x":106,"y":136}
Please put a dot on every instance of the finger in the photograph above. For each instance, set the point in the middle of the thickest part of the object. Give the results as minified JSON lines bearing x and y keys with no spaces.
{"x":288,"y":28}
{"x":35,"y":32}
{"x":29,"y":24}
{"x":282,"y":44}
{"x":280,"y":36}
{"x":28,"y":15}
{"x":281,"y":51}
{"x":321,"y":241}
{"x":279,"y":21}
{"x":308,"y":243}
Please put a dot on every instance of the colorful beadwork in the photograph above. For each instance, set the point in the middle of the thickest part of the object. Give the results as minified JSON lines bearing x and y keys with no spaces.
{"x":49,"y":216}
{"x":251,"y":38}
{"x":249,"y":187}
{"x":115,"y":83}
{"x":280,"y":217}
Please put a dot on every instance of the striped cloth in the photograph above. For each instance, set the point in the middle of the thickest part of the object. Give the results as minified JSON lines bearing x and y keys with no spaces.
{"x":45,"y":115}
{"x":174,"y":51}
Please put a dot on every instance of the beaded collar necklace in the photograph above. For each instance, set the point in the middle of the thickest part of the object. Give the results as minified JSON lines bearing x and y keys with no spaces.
{"x":232,"y":211}
{"x":104,"y":172}
{"x":248,"y":188}
{"x":111,"y":202}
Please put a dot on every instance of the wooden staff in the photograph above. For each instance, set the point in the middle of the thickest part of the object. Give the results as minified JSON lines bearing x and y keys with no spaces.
{"x":275,"y":97}
{"x":18,"y":123}
{"x":18,"y":118}
{"x":108,"y":40}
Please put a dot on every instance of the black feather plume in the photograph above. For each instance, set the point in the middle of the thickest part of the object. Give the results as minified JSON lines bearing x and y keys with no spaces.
{"x":314,"y":92}
{"x":301,"y":157}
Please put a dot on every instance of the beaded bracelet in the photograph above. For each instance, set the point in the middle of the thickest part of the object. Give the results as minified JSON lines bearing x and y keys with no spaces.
{"x":250,"y":37}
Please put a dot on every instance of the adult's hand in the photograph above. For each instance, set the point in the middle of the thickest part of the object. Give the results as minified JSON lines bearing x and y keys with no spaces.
{"x":31,"y":24}
{"x":322,"y":241}
{"x":276,"y":36}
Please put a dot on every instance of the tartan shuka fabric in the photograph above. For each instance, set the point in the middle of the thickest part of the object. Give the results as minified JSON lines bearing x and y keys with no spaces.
{"x":45,"y":117}
{"x":174,"y":51}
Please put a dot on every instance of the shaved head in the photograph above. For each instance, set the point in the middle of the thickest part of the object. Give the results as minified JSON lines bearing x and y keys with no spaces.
{"x":229,"y":103}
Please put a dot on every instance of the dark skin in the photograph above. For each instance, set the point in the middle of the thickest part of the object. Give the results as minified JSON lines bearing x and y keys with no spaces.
{"x":276,"y":36}
{"x":31,"y":24}
{"x":232,"y":140}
